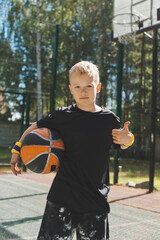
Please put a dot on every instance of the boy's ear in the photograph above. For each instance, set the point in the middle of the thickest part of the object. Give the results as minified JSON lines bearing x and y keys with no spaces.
{"x":99,"y":87}
{"x":70,"y":88}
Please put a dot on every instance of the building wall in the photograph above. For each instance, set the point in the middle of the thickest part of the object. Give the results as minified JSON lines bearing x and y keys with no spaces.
{"x":9,"y":133}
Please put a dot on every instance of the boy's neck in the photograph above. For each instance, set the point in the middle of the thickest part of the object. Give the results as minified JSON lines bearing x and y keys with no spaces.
{"x":92,"y":108}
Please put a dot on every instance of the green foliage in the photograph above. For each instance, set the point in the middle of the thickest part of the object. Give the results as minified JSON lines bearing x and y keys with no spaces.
{"x":85,"y":31}
{"x":138,"y":91}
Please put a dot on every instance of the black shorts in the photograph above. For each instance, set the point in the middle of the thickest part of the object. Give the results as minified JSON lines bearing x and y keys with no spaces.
{"x":59,"y":223}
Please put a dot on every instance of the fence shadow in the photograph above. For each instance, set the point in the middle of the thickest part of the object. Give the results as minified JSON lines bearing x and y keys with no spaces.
{"x":24,"y":196}
{"x":125,"y":198}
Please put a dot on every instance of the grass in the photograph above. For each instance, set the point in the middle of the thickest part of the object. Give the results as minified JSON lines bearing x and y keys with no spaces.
{"x":133,"y":170}
{"x":5,"y":154}
{"x":136,"y":171}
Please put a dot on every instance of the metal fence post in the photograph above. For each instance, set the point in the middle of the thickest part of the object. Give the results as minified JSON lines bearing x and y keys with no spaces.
{"x":53,"y":91}
{"x":27,"y":119}
{"x":119,"y":103}
{"x":154,"y":111}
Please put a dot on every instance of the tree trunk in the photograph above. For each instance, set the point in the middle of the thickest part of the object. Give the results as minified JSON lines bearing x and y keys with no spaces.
{"x":39,"y":67}
{"x":100,"y":55}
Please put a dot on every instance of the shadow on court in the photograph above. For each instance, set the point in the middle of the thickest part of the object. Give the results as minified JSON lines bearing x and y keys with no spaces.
{"x":25,"y":196}
{"x":21,"y":221}
{"x":135,"y":214}
{"x":126,"y":198}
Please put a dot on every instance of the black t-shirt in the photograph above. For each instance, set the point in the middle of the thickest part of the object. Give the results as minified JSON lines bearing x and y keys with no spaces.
{"x":82,"y":181}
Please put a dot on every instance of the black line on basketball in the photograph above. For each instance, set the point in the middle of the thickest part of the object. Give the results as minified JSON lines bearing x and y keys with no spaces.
{"x":39,"y":163}
{"x":35,"y":139}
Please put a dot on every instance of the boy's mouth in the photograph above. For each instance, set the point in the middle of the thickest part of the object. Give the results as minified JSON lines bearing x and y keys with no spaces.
{"x":83,"y":98}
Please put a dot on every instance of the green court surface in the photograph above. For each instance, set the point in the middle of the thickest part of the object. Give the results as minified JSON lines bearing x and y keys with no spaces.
{"x":22,"y":202}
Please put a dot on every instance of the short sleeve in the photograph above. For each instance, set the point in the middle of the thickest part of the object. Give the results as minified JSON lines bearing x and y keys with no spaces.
{"x":49,"y":121}
{"x":116,"y":125}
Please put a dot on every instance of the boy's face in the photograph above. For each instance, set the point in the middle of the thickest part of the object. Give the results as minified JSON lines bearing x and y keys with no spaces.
{"x":84,"y":90}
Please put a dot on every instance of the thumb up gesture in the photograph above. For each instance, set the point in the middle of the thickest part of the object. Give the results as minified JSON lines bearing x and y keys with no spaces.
{"x":122,"y":136}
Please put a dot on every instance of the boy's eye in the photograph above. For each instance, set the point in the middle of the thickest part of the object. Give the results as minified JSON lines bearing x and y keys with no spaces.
{"x":89,"y":85}
{"x":76,"y":86}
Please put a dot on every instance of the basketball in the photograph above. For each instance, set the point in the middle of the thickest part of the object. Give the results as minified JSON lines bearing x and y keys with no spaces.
{"x":42,"y":150}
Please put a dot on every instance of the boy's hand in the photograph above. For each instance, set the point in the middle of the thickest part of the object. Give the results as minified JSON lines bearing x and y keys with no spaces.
{"x":122,"y":136}
{"x":16,"y":156}
{"x":14,"y":160}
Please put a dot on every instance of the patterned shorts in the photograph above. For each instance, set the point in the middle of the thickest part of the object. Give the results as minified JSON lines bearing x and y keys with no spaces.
{"x":59,"y":223}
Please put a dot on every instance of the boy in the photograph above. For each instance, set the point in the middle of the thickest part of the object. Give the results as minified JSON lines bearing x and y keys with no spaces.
{"x":78,"y":196}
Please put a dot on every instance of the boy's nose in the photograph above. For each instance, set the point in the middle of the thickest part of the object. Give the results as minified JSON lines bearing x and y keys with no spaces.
{"x":84,"y":90}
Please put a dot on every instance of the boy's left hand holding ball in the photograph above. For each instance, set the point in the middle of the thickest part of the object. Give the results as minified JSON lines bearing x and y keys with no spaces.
{"x":14,"y":160}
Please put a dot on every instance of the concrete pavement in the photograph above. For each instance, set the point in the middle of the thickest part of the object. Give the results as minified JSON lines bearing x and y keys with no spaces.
{"x":134,"y":215}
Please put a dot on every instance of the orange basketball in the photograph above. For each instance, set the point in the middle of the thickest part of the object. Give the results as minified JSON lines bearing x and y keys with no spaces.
{"x":42,"y":150}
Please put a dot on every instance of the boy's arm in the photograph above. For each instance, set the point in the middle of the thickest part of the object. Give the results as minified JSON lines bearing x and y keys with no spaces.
{"x":123,"y":136}
{"x":15,"y":156}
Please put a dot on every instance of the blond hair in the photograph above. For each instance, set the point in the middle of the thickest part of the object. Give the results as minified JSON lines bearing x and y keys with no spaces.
{"x":85,"y":67}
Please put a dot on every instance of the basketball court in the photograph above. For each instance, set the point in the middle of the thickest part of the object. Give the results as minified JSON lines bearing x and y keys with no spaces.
{"x":135,"y":214}
{"x":131,"y":18}
{"x":22,"y":201}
